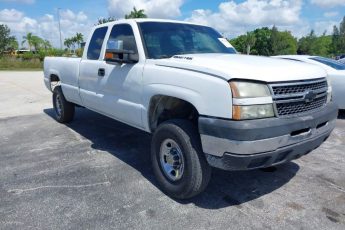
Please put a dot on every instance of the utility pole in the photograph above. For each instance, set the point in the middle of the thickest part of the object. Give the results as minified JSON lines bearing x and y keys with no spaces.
{"x":58,"y":14}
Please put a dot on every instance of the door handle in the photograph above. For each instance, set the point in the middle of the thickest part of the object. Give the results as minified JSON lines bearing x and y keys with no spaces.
{"x":101,"y":72}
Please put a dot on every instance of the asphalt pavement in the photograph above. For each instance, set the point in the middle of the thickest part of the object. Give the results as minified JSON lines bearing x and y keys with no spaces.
{"x":95,"y":173}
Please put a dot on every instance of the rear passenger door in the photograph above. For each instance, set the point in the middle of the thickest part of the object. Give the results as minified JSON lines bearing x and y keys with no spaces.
{"x":90,"y":70}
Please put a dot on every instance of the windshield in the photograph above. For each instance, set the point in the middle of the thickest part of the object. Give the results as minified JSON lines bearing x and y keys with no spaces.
{"x":164,"y":40}
{"x":329,"y":62}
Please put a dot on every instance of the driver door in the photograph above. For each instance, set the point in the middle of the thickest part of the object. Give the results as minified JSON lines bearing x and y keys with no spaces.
{"x":120,"y":87}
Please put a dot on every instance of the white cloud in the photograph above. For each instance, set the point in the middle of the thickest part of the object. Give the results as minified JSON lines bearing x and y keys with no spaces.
{"x":235,"y":18}
{"x":153,"y":8}
{"x":11,"y":15}
{"x":19,"y":1}
{"x":331,"y":14}
{"x":324,"y":26}
{"x":328,"y":3}
{"x":47,"y":25}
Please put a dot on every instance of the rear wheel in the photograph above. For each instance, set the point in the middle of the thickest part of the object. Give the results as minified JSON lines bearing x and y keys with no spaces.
{"x":178,"y":161}
{"x":64,"y":110}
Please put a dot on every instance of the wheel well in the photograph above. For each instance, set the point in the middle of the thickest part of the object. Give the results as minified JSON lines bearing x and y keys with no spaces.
{"x":163,"y":108}
{"x":54,"y":81}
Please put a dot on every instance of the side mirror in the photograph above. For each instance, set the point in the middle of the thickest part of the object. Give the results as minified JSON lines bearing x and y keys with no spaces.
{"x":116,"y":53}
{"x":121,"y":56}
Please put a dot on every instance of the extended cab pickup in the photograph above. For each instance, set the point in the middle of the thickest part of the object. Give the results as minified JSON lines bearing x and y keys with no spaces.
{"x":205,"y":105}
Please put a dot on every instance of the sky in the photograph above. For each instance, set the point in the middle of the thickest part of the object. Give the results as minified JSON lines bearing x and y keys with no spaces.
{"x":230,"y":17}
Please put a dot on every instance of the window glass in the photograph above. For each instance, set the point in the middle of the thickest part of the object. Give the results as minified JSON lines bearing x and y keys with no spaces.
{"x":163,"y":40}
{"x":329,"y":62}
{"x":124,"y":33}
{"x":96,"y":42}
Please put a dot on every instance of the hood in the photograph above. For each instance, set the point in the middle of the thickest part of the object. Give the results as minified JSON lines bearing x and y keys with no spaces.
{"x":230,"y":66}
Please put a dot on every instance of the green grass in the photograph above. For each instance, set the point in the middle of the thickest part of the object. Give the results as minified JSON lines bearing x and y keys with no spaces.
{"x":10,"y":63}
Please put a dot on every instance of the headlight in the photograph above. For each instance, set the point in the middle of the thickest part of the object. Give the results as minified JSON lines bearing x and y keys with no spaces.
{"x":245,"y":112}
{"x":242,"y":89}
{"x":251,"y":100}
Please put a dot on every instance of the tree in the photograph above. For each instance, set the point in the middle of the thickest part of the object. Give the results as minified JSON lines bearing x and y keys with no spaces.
{"x":12,"y":44}
{"x":263,"y":41}
{"x":105,"y":20}
{"x":250,"y":40}
{"x":68,"y":43}
{"x":7,"y":42}
{"x":335,"y":40}
{"x":341,"y":42}
{"x":338,"y":39}
{"x":37,"y":42}
{"x":28,"y":38}
{"x":282,"y":42}
{"x":79,"y":39}
{"x":239,"y":43}
{"x":46,"y":44}
{"x":136,"y":14}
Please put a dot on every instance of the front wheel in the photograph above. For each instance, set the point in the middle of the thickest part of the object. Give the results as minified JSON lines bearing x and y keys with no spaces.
{"x":178,"y":161}
{"x":64,"y":110}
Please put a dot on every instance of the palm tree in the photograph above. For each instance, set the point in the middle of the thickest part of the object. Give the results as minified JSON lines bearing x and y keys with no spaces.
{"x":68,"y":43}
{"x":136,"y":14}
{"x":46,"y":44}
{"x":105,"y":20}
{"x":74,"y":41}
{"x":79,"y":38}
{"x":37,"y":42}
{"x":28,"y":39}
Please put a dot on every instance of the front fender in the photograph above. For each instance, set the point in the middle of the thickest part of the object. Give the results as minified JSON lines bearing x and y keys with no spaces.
{"x":204,"y":103}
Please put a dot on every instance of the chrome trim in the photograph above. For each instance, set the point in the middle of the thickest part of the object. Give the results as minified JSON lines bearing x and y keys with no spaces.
{"x":253,"y":101}
{"x":297,"y":97}
{"x":320,"y":94}
{"x":289,"y":83}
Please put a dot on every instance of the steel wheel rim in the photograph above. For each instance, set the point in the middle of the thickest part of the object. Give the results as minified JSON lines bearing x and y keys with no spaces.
{"x":58,"y":105}
{"x":171,"y":160}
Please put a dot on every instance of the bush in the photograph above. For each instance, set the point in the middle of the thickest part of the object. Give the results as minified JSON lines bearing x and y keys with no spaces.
{"x":79,"y":52}
{"x":13,"y":63}
{"x":29,"y":60}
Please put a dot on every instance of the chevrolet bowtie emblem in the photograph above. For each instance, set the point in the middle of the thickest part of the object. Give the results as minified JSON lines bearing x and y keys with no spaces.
{"x":309,"y":96}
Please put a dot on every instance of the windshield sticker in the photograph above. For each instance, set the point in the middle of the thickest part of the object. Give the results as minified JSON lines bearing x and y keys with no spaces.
{"x":225,"y":42}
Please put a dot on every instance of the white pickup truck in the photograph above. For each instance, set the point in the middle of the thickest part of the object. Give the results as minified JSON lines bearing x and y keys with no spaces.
{"x":205,"y":105}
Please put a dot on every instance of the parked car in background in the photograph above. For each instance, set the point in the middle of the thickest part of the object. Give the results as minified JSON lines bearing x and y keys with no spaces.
{"x":335,"y":70}
{"x":342,"y":60}
{"x":340,"y":57}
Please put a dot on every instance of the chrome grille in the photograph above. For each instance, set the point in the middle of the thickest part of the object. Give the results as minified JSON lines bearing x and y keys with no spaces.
{"x":299,"y":97}
{"x":289,"y":89}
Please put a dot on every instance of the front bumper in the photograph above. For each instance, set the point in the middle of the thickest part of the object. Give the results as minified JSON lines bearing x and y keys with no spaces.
{"x":250,"y":144}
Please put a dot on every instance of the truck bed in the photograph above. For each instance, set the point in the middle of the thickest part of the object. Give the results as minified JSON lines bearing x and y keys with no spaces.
{"x":67,"y":69}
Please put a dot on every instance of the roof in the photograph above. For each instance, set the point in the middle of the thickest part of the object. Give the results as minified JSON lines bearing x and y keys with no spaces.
{"x":147,"y":20}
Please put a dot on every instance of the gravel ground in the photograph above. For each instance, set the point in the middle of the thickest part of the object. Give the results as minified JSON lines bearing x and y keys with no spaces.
{"x":95,"y":174}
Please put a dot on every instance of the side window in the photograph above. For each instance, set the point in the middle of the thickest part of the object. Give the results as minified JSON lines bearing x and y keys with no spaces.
{"x":96,"y":42}
{"x":123,"y":37}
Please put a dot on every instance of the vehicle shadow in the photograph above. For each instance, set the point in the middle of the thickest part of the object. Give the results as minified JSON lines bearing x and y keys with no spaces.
{"x":132,"y":146}
{"x":341,"y":114}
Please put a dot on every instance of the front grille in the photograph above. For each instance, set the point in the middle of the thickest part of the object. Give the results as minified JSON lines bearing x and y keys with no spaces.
{"x":291,"y":98}
{"x":290,"y":89}
{"x":285,"y":109}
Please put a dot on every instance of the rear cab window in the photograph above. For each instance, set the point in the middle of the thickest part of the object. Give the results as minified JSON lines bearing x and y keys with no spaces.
{"x":96,"y":42}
